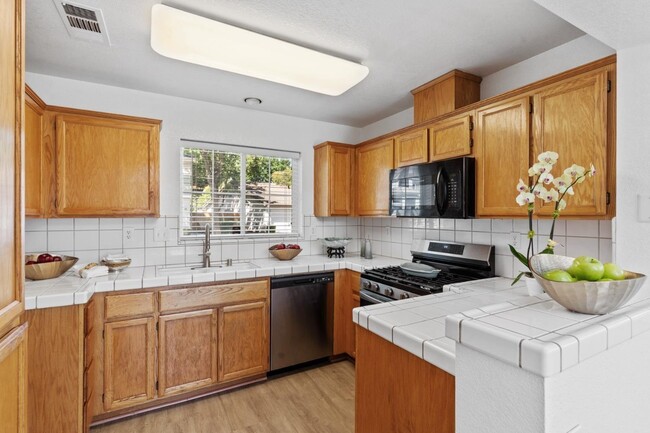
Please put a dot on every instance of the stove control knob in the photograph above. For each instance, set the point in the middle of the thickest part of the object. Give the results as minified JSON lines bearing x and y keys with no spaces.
{"x":404,"y":296}
{"x":389,"y":291}
{"x":374,"y":286}
{"x":366,"y":284}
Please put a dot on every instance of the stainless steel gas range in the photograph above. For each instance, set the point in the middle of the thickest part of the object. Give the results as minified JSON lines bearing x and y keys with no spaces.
{"x":458,"y":262}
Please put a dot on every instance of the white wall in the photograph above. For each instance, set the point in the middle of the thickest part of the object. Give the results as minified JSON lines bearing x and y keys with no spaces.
{"x":186,"y":118}
{"x":577,"y":52}
{"x":387,"y":124}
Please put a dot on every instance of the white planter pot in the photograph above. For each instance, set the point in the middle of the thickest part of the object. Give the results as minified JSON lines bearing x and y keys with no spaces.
{"x":534,"y":288}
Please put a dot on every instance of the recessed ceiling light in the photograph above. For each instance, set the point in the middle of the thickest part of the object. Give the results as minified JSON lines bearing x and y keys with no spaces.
{"x":253,"y":101}
{"x":195,"y":39}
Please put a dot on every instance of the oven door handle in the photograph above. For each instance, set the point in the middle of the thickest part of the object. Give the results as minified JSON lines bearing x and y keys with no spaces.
{"x":372,"y":298}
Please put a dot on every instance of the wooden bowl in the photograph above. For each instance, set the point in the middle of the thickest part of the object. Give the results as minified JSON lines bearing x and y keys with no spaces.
{"x":285,"y":254}
{"x":45,"y":271}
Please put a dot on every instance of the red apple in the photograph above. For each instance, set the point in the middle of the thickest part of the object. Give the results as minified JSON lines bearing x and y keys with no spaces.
{"x":56,"y":258}
{"x":44,"y":258}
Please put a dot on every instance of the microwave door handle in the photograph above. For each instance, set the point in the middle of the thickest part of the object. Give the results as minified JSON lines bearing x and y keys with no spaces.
{"x":439,"y":192}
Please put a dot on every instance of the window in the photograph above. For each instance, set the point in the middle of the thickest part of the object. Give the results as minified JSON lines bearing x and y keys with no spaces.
{"x":239,"y":191}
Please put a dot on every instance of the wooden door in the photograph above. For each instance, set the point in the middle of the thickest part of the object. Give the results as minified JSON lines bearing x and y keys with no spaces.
{"x":11,"y":105}
{"x":374,"y":162}
{"x":412,"y":148}
{"x":106,"y":166}
{"x":354,"y":281}
{"x":129,"y":358}
{"x":187,"y":347}
{"x":502,"y":153}
{"x":13,"y":381}
{"x":346,"y":298}
{"x":243,"y":340}
{"x":38,"y":158}
{"x":570,"y":118}
{"x":450,"y":138}
{"x":341,"y":161}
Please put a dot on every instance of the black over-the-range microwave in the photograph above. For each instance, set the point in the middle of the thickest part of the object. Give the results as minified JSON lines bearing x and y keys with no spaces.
{"x":443,"y":189}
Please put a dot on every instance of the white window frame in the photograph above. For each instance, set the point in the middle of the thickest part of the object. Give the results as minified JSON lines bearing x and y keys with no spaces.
{"x":296,"y":190}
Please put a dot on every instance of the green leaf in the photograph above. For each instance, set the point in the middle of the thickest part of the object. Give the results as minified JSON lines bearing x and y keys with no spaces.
{"x":518,"y":255}
{"x":521,"y":274}
{"x":547,"y":250}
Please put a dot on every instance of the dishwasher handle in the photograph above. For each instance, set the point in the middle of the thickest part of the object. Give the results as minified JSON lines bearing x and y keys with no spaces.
{"x":301,"y":280}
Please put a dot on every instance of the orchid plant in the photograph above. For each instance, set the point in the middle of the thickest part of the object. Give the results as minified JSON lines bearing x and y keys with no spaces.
{"x":549,"y":189}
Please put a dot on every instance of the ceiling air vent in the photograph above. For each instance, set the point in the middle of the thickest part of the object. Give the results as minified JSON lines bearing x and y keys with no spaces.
{"x":83,"y":22}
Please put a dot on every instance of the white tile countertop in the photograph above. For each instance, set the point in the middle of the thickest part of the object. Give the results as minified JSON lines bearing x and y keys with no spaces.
{"x":69,"y":289}
{"x":534,"y":333}
{"x":418,"y":324}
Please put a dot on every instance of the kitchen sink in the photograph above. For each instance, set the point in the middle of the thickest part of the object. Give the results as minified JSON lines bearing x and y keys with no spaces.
{"x":181,"y":269}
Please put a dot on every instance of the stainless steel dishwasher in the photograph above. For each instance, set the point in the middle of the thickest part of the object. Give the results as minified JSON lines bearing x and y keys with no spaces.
{"x":302,"y":316}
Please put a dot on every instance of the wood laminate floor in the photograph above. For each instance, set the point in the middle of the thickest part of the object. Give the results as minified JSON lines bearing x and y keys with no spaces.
{"x":320,"y":400}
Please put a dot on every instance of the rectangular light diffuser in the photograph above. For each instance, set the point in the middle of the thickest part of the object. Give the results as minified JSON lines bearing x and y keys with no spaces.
{"x":202,"y":41}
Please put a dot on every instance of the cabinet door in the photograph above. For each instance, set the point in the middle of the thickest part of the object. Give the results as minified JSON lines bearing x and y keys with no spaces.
{"x":354,"y":281}
{"x":13,"y":377}
{"x":502,"y":157}
{"x":374,"y":162}
{"x":36,"y":158}
{"x":243,"y":340}
{"x":129,"y":356}
{"x":11,"y":103}
{"x":341,"y":161}
{"x":450,"y":138}
{"x":187,"y":351}
{"x":412,"y":148}
{"x":106,"y":167}
{"x":570,"y":118}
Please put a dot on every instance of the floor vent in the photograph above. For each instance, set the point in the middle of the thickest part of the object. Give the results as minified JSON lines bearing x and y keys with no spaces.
{"x":83,"y":22}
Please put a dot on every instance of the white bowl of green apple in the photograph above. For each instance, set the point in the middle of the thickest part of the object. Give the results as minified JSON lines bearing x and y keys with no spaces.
{"x":584,"y":284}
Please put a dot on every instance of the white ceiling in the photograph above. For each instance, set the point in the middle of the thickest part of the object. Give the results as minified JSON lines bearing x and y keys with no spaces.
{"x":404,"y":44}
{"x":619,"y":24}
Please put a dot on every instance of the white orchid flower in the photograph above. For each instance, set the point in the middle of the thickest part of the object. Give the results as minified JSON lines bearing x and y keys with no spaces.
{"x":525,"y":198}
{"x":548,"y":157}
{"x":550,"y":195}
{"x":522,"y":187}
{"x":562,"y":184}
{"x":592,"y":171}
{"x":561,"y":205}
{"x":575,"y":170}
{"x":540,"y":168}
{"x":551,"y":243}
{"x":539,"y":190}
{"x":546,"y":178}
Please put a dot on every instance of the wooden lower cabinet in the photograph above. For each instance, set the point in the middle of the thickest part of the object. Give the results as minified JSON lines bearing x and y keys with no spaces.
{"x":399,"y":392}
{"x":56,"y":370}
{"x":129,"y":362}
{"x":243,"y":340}
{"x":346,"y":298}
{"x":187,"y":351}
{"x":13,"y":381}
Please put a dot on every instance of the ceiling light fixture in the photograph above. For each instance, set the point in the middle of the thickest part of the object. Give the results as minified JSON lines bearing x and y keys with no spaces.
{"x":195,"y":39}
{"x":253,"y":101}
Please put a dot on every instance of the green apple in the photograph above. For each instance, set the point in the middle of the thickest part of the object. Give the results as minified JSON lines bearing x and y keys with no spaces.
{"x":613,"y":272}
{"x":558,"y":275}
{"x":586,"y":268}
{"x":605,"y":279}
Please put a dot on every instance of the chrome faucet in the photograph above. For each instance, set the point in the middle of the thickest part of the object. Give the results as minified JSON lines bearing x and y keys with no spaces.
{"x":206,"y":247}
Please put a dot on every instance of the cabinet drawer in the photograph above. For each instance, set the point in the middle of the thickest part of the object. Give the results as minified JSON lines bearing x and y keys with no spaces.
{"x":204,"y":296}
{"x":137,"y":304}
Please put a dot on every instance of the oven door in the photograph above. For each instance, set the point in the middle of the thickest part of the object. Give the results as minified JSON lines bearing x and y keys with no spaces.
{"x":367,"y":297}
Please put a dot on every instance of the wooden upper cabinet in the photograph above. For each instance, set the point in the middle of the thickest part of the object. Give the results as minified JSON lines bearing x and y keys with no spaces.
{"x":187,"y":351}
{"x":11,"y":108}
{"x":450,"y":138}
{"x":129,"y":362}
{"x":502,"y":148}
{"x":374,"y":162}
{"x":445,"y":94}
{"x":412,"y":148}
{"x":333,"y":179}
{"x":243,"y":340}
{"x":106,"y":166}
{"x":570,"y":118}
{"x":39,"y":154}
